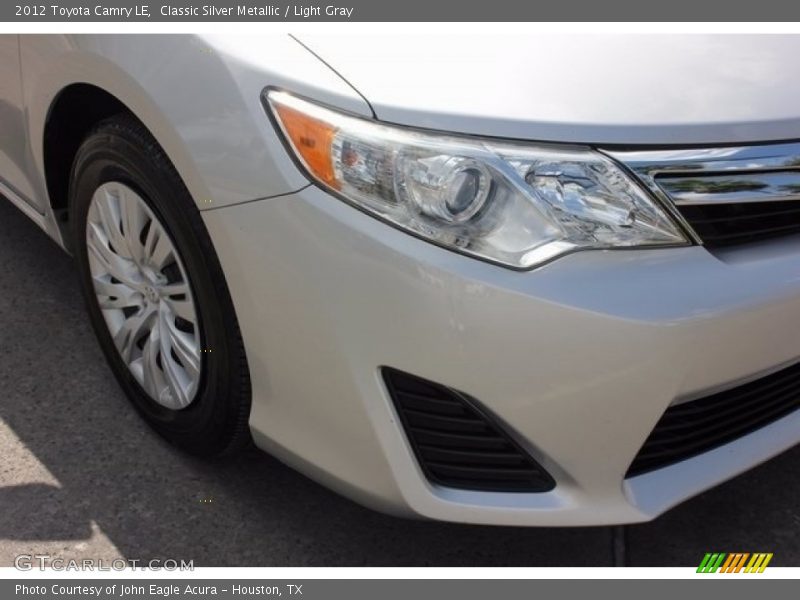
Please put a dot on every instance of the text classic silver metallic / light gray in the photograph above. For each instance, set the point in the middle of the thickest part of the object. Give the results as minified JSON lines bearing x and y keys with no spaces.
{"x":545,"y":280}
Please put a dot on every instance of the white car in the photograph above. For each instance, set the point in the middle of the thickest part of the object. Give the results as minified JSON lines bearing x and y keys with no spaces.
{"x":546,"y":280}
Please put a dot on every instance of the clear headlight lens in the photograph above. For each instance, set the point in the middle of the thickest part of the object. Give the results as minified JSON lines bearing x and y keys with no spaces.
{"x":510,"y":203}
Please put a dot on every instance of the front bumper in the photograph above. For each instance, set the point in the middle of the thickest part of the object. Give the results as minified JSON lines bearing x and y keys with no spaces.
{"x":580,"y":358}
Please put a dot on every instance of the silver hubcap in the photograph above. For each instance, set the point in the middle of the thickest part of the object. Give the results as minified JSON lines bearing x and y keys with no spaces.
{"x":144,"y":293}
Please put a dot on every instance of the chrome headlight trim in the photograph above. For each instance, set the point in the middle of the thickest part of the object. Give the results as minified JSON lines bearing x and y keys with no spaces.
{"x":516,"y":204}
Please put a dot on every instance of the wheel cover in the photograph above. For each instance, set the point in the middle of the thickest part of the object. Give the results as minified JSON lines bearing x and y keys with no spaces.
{"x":144,"y":294}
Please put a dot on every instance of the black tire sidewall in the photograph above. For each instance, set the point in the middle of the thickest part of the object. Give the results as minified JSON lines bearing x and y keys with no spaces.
{"x":114,"y":154}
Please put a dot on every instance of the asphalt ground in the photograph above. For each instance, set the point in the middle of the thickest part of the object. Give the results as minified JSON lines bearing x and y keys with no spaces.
{"x":81,"y":476}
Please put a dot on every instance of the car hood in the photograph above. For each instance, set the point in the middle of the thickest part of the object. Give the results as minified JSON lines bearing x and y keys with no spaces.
{"x":615,"y":89}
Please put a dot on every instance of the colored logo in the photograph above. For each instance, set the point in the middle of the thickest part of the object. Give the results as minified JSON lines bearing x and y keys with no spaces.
{"x":738,"y":562}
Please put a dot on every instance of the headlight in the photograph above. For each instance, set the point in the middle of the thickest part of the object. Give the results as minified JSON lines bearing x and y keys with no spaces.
{"x":511,"y":203}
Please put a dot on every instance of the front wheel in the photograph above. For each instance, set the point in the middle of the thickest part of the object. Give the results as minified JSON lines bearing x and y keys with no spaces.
{"x":155,"y":291}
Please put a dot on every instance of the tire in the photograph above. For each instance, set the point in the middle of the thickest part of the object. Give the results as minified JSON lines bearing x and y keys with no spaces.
{"x":198,"y":397}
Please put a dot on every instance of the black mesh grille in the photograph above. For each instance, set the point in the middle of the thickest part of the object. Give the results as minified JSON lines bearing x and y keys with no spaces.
{"x":456,"y":444}
{"x":691,"y":428}
{"x":740,"y":223}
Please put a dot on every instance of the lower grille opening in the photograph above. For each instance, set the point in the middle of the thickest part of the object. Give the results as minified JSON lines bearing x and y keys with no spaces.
{"x":720,"y":225}
{"x":691,"y":428}
{"x":456,"y":444}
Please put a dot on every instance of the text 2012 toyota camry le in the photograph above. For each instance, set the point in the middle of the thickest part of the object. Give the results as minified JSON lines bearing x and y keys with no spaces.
{"x":523,"y":280}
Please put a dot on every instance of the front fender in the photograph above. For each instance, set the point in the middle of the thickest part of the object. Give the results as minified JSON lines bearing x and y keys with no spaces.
{"x":198,"y":96}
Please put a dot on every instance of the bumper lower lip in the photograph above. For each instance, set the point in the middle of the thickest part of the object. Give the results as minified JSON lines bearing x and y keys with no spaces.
{"x":580,"y":358}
